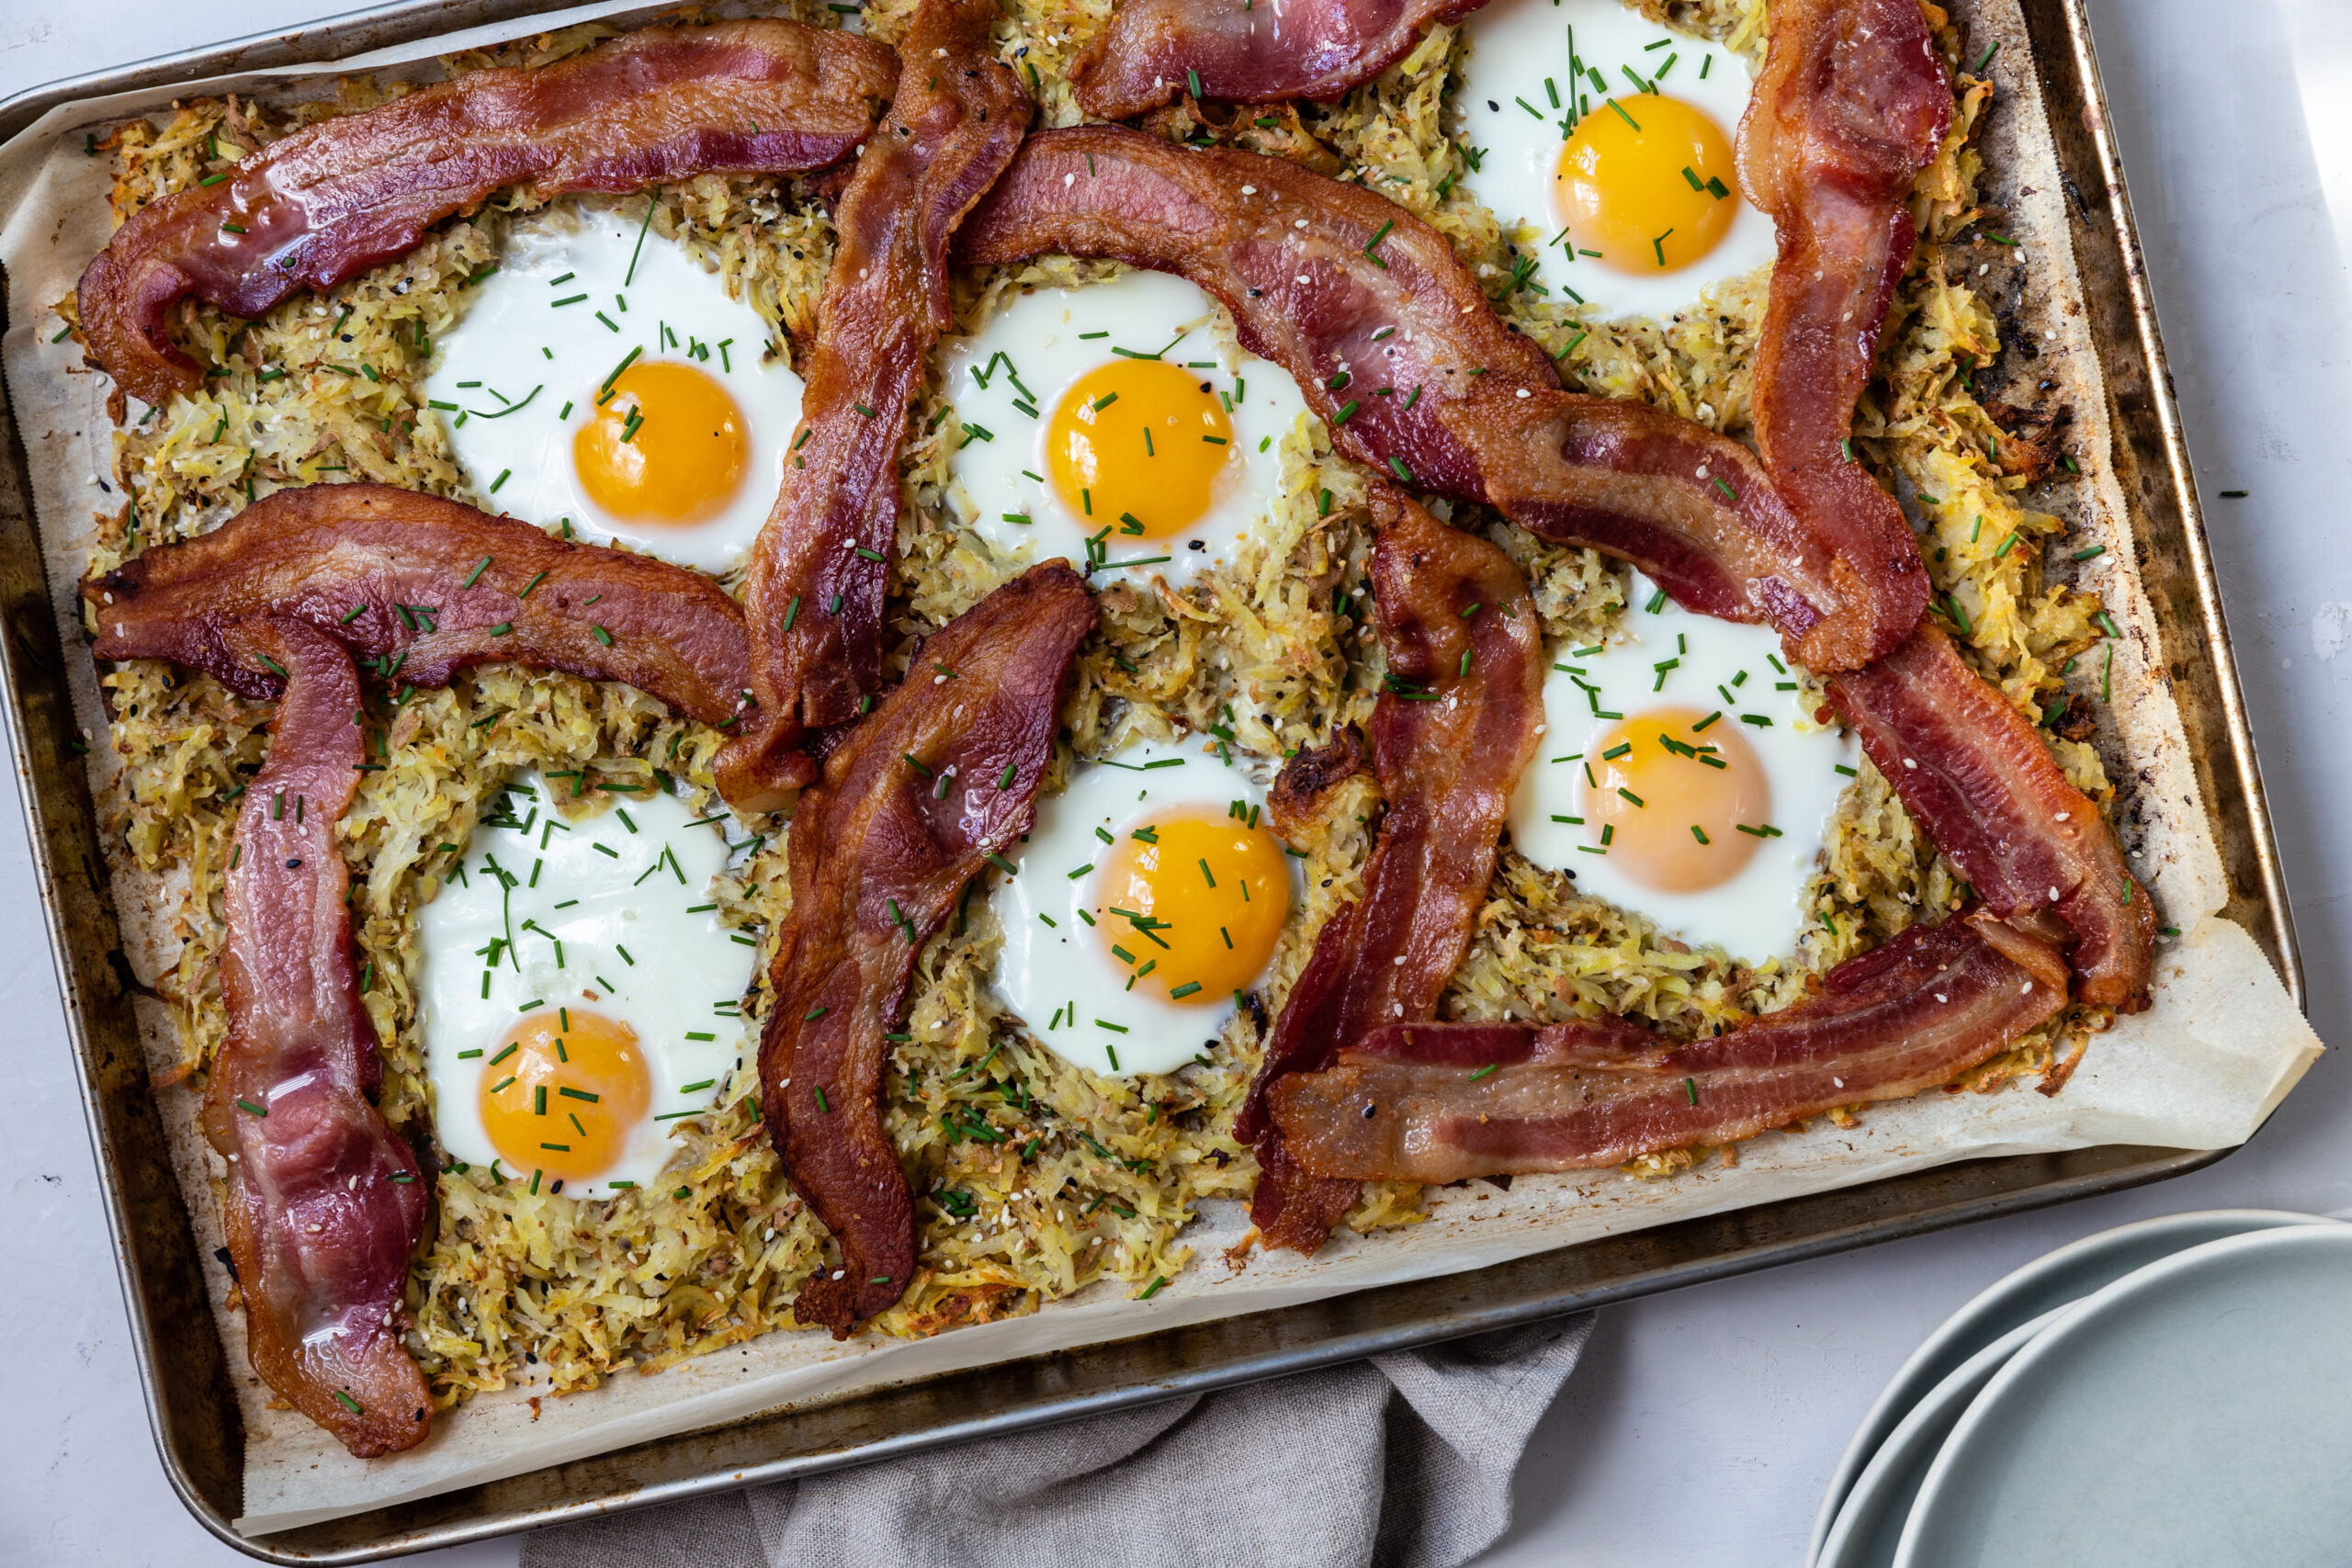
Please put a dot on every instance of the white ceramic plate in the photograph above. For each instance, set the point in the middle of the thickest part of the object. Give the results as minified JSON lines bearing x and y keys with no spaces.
{"x":1870,"y":1525}
{"x":2049,"y":1281}
{"x":2194,"y":1414}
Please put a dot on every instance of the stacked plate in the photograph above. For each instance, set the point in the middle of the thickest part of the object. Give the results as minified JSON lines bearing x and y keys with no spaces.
{"x":2174,"y":1392}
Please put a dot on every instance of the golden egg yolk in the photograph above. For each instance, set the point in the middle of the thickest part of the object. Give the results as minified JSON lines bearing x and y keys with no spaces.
{"x":1138,"y":447}
{"x":563,"y":1092}
{"x":1669,"y":799}
{"x":669,"y":445}
{"x":1634,"y":184}
{"x":1190,"y":903}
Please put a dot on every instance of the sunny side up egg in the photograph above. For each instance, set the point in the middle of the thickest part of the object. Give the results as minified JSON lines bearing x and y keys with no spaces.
{"x":579,"y":995}
{"x":1682,"y":775}
{"x":600,"y":376}
{"x":1148,"y":897}
{"x":1116,"y":425}
{"x":1614,"y":138}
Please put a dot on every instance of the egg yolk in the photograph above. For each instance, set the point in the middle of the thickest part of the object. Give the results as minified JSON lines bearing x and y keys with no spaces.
{"x":1669,"y":799}
{"x":1138,"y":447}
{"x":1191,"y":905}
{"x":563,"y":1092}
{"x":668,"y":446}
{"x":1638,"y":183}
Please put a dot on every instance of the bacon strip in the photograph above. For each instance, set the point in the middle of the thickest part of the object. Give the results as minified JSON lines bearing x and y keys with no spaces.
{"x":324,"y":1202}
{"x":329,"y":202}
{"x":435,"y":586}
{"x":1236,"y":49}
{"x":1438,"y":1102}
{"x":1365,"y":297}
{"x":1448,"y":740}
{"x":1853,"y":102}
{"x":814,"y":598}
{"x":912,"y":804}
{"x":1980,"y":778}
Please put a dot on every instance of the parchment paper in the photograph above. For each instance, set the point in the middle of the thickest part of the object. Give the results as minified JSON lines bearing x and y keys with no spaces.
{"x":2201,"y":1070}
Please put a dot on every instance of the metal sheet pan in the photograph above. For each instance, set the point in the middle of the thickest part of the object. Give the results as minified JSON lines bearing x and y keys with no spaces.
{"x":185,"y":1376}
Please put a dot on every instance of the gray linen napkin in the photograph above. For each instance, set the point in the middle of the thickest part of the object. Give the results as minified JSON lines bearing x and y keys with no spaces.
{"x":1402,"y":1460}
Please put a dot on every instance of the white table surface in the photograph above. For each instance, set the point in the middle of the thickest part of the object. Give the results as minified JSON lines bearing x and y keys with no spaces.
{"x":1705,"y":1423}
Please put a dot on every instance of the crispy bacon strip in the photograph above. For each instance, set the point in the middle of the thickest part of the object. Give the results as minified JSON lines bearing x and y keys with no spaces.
{"x":815,"y":593}
{"x":1448,"y":740}
{"x":913,"y":803}
{"x":1853,"y":102}
{"x":1980,"y":778}
{"x":1239,"y":50}
{"x":423,"y":588}
{"x":332,"y":201}
{"x":324,"y":1202}
{"x":1438,"y":1102}
{"x":1365,"y":297}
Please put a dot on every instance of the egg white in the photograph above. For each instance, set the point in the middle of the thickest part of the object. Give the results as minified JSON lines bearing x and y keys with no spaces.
{"x":1756,"y":913}
{"x":640,"y":945}
{"x":1506,"y":109}
{"x":998,"y":468}
{"x":1054,"y":970}
{"x":520,"y":373}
